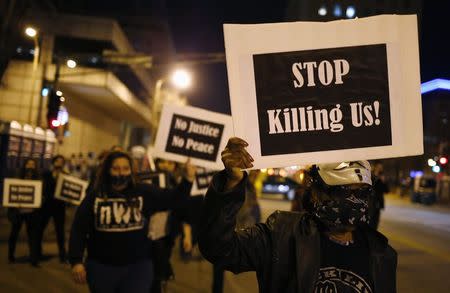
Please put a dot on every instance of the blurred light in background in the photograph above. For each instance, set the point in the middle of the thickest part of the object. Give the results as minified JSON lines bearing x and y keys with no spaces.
{"x":71,"y":63}
{"x":350,"y":12}
{"x":31,"y":32}
{"x":431,"y":162}
{"x":322,"y":11}
{"x":435,"y":84}
{"x":415,"y":173}
{"x":436,"y":169}
{"x":181,"y":78}
{"x":45,"y":91}
{"x":337,"y":10}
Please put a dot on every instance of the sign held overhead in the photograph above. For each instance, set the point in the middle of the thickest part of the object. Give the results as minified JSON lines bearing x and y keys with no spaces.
{"x":188,"y":132}
{"x":349,"y":89}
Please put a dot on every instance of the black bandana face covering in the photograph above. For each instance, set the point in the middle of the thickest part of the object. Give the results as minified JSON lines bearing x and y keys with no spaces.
{"x":341,"y":211}
{"x":120,"y":180}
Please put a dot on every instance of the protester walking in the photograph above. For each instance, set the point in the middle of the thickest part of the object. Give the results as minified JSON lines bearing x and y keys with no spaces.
{"x":18,"y":216}
{"x":161,"y":248}
{"x":376,"y":204}
{"x":53,"y":208}
{"x":112,"y":224}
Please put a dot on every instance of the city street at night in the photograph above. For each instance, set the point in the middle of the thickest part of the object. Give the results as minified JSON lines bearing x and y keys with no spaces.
{"x":420,"y":234}
{"x":144,"y":144}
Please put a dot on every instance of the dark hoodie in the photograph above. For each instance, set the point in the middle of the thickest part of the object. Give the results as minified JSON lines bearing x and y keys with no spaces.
{"x":114,"y":226}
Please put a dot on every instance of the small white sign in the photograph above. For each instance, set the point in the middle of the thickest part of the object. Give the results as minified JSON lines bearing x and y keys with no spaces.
{"x":19,"y":193}
{"x":317,"y":92}
{"x":203,"y":178}
{"x":189,"y":132}
{"x":157,"y":227}
{"x":70,"y":189}
{"x":154,"y":178}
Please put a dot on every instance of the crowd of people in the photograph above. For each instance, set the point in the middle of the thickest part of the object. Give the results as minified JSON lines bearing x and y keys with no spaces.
{"x":113,"y":247}
{"x":111,"y":230}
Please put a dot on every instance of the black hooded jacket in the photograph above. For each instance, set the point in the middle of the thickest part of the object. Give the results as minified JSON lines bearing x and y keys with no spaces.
{"x":284,"y":251}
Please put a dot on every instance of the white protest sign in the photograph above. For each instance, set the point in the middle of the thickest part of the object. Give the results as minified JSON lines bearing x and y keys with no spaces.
{"x":70,"y":189}
{"x":20,"y":193}
{"x":154,"y":178}
{"x":317,"y":92}
{"x":192,"y":132}
{"x":202,"y":180}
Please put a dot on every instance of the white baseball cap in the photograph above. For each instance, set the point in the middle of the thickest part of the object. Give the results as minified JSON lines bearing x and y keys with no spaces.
{"x":345,"y":173}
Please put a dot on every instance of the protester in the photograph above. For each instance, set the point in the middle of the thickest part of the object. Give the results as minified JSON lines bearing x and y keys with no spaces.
{"x":162,"y":248}
{"x":17,"y":216}
{"x":327,"y":248}
{"x":52,"y":207}
{"x":112,"y":223}
{"x":376,"y":203}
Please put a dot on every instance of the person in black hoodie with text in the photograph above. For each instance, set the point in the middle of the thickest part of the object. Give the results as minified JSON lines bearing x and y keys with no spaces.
{"x":327,"y":248}
{"x":112,"y":223}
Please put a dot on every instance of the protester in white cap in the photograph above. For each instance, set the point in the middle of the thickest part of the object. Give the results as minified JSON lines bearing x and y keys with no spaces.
{"x":328,"y":247}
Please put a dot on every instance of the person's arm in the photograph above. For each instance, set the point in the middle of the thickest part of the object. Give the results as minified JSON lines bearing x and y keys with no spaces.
{"x":219,"y":242}
{"x":161,"y":199}
{"x":187,"y":237}
{"x":81,"y":226}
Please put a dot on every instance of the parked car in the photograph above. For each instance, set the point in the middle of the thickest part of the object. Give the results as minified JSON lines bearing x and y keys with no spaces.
{"x":276,"y":186}
{"x":424,"y":190}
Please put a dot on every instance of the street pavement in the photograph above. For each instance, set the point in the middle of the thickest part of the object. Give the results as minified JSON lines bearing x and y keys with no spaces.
{"x":420,"y":234}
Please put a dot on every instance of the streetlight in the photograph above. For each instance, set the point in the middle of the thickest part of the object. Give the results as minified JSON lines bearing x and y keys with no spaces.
{"x":322,"y":11}
{"x":71,"y":63}
{"x":32,"y":33}
{"x":181,"y":79}
{"x":350,"y":12}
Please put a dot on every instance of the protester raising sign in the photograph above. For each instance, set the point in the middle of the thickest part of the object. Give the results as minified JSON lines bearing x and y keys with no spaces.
{"x":20,"y":193}
{"x":192,"y":132}
{"x":349,"y":89}
{"x":70,"y":189}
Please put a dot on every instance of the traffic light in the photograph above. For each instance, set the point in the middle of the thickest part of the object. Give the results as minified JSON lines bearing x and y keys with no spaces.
{"x":53,"y":105}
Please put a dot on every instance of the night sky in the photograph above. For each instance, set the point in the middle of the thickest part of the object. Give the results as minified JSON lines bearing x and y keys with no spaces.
{"x":197,"y":27}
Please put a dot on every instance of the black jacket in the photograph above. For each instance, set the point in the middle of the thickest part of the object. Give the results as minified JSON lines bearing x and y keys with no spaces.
{"x":284,"y":250}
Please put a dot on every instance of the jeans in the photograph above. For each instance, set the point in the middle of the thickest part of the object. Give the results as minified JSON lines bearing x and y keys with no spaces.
{"x":136,"y":278}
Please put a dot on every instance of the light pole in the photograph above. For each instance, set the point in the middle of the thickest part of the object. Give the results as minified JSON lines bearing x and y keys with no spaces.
{"x":32,"y":33}
{"x":182,"y":80}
